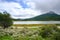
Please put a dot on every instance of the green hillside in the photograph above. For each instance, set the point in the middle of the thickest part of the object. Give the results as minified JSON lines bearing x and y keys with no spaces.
{"x":50,"y":16}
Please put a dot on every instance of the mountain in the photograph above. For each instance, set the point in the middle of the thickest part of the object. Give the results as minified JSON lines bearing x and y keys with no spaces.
{"x":50,"y":16}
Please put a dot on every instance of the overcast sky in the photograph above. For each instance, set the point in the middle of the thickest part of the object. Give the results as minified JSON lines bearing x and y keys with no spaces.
{"x":29,"y":8}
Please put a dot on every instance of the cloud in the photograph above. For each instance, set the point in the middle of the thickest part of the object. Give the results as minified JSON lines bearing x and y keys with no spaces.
{"x":29,"y":8}
{"x":48,"y":5}
{"x":15,"y":8}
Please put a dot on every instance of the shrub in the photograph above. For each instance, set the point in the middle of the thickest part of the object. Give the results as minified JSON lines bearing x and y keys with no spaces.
{"x":47,"y":30}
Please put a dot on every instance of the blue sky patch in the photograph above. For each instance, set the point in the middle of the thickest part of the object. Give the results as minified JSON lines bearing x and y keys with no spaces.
{"x":24,"y":4}
{"x":21,"y":2}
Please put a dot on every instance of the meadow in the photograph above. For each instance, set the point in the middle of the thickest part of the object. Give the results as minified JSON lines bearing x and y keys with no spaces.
{"x":42,"y":32}
{"x":34,"y":25}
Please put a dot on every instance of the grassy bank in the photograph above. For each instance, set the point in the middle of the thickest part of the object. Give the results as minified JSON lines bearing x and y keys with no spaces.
{"x":33,"y":25}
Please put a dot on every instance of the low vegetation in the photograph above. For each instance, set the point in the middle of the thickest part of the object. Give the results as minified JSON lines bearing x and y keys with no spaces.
{"x":46,"y":32}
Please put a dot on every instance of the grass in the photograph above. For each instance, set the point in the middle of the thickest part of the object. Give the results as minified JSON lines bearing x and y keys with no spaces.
{"x":6,"y":37}
{"x":31,"y":33}
{"x":33,"y":25}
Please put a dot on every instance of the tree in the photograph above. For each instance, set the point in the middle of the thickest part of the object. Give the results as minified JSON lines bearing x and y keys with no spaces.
{"x":5,"y":20}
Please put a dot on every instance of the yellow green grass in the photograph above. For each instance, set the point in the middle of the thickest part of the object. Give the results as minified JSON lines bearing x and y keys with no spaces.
{"x":34,"y":25}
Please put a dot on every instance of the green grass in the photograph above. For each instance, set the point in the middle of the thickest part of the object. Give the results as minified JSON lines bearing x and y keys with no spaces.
{"x":46,"y":32}
{"x":6,"y":37}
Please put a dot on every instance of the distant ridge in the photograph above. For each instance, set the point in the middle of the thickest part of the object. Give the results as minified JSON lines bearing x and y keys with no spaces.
{"x":50,"y":16}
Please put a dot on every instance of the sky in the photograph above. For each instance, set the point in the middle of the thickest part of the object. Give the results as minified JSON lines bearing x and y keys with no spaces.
{"x":29,"y":8}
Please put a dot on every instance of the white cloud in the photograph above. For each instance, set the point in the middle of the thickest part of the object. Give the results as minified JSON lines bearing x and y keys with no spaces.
{"x":16,"y":9}
{"x":36,"y":7}
{"x":48,"y":5}
{"x":10,"y":7}
{"x":31,"y":4}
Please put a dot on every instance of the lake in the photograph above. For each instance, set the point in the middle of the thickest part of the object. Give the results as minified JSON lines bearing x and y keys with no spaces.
{"x":36,"y":22}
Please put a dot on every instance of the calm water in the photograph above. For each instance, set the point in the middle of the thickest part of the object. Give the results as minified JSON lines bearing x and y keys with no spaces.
{"x":36,"y":22}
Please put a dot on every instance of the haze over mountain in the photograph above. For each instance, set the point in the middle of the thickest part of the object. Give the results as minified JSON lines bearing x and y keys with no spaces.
{"x":49,"y":16}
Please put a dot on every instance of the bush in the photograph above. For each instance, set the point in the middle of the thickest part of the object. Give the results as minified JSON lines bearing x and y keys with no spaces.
{"x":48,"y":30}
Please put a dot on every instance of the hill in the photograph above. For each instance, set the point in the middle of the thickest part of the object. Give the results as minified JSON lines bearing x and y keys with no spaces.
{"x":50,"y":16}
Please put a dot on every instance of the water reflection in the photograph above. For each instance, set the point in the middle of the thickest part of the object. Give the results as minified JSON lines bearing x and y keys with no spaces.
{"x":36,"y":22}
